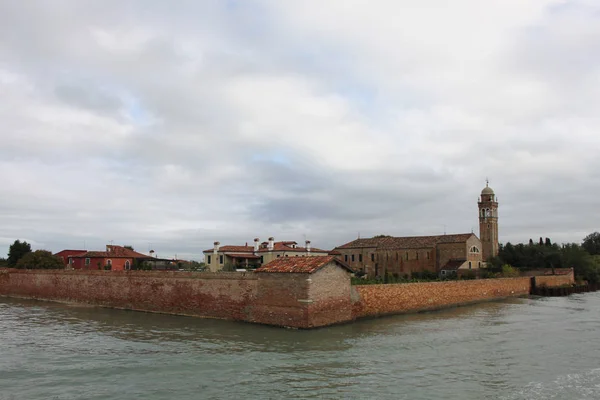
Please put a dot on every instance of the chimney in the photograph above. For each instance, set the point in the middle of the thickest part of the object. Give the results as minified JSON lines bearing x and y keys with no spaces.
{"x":256,"y":244}
{"x":307,"y":245}
{"x":271,"y":245}
{"x":217,"y":244}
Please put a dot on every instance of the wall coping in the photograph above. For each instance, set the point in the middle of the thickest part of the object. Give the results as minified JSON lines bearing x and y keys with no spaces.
{"x":462,"y":282}
{"x":138,"y":274}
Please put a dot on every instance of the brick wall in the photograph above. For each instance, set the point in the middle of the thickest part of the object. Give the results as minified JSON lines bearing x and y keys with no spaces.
{"x":329,"y":292}
{"x":218,"y":295}
{"x":555,"y":280}
{"x":373,"y":300}
{"x":283,"y":299}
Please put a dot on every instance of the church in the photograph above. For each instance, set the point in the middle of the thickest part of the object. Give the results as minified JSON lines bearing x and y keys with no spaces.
{"x":443,"y":254}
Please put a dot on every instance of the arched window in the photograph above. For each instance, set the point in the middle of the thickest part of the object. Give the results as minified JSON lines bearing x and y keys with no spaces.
{"x":469,"y":264}
{"x":474,"y":249}
{"x":127,"y":265}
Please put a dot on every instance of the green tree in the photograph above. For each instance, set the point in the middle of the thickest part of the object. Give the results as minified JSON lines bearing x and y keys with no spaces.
{"x":16,"y":251}
{"x":591,"y":243}
{"x":128,"y":247}
{"x":3,"y":263}
{"x":40,"y":259}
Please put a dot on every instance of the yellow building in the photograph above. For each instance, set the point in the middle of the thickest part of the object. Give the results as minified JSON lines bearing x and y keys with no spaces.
{"x":232,"y":257}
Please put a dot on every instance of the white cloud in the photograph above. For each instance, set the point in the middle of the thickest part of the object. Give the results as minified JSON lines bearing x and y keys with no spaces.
{"x":177,"y":126}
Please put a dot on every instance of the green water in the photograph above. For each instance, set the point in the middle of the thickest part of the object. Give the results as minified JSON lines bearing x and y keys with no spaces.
{"x":517,"y":349}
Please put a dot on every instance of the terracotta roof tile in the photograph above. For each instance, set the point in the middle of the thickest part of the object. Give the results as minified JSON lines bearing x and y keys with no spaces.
{"x":115,"y":252}
{"x":406,"y":242}
{"x":302,"y":265}
{"x":237,"y":249}
{"x":277,"y":246}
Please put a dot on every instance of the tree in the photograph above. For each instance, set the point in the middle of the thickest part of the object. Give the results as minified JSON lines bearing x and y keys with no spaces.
{"x":128,"y":247}
{"x":591,"y":243}
{"x":40,"y":259}
{"x":16,"y":251}
{"x":531,"y":242}
{"x":548,"y":242}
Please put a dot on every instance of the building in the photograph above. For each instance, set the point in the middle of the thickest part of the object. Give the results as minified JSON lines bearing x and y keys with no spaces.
{"x":66,"y":254}
{"x":488,"y":222}
{"x":403,"y":256}
{"x":440,"y":254}
{"x":231,"y":257}
{"x":117,"y":258}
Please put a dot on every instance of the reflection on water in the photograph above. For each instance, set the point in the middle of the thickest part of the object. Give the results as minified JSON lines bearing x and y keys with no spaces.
{"x":515,"y":349}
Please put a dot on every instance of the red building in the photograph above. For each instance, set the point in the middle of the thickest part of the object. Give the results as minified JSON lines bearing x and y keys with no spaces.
{"x":118,"y":258}
{"x":66,"y":254}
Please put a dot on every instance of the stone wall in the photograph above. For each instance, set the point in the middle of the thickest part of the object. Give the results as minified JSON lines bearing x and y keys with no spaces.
{"x":298,"y":300}
{"x":375,"y":300}
{"x":555,"y":280}
{"x":217,"y":295}
{"x":329,"y":297}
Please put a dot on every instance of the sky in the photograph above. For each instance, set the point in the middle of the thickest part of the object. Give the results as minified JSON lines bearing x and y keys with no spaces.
{"x":171,"y":125}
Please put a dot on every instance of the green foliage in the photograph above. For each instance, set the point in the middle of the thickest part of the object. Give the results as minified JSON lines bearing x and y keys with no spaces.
{"x":508,"y":271}
{"x":128,"y":247}
{"x":381,"y":236}
{"x":546,"y":254}
{"x":16,"y":251}
{"x":40,"y":259}
{"x":3,"y":263}
{"x":591,"y":243}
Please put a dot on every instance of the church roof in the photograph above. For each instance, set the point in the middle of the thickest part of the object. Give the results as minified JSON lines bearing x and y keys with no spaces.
{"x":406,"y":242}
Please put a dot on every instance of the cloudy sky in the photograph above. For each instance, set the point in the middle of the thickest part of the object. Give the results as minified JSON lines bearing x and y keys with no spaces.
{"x":174,"y":124}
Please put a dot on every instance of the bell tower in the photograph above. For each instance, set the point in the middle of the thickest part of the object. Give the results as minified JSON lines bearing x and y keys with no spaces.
{"x":488,"y":222}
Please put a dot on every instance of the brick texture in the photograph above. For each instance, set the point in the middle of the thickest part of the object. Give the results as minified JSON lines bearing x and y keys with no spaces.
{"x":375,"y":300}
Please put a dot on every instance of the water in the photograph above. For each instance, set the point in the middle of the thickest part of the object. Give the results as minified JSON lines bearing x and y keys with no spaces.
{"x":545,"y":348}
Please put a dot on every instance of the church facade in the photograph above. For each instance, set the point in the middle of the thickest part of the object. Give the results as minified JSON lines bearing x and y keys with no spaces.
{"x":442,"y":254}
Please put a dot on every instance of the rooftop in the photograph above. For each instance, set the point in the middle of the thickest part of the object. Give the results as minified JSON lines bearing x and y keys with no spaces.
{"x":406,"y":242}
{"x":301,"y":265}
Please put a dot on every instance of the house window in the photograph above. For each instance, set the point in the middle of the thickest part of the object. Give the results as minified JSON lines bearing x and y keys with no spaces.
{"x":416,"y":255}
{"x":479,"y":264}
{"x":372,"y":257}
{"x":87,"y":261}
{"x":474,"y":249}
{"x":220,"y":259}
{"x":262,"y":259}
{"x":443,"y":272}
{"x":109,"y":263}
{"x":278,"y":255}
{"x":396,"y":256}
{"x":208,"y":259}
{"x":70,"y":260}
{"x":352,"y":257}
{"x":127,"y":265}
{"x":346,"y":257}
{"x":407,"y":255}
{"x":360,"y":258}
{"x":469,"y":264}
{"x":286,"y":255}
{"x":428,"y":255}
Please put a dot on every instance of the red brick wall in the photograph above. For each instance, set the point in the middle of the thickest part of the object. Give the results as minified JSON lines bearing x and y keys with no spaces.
{"x":555,"y":280}
{"x":372,"y":300}
{"x":219,"y":295}
{"x":277,"y":300}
